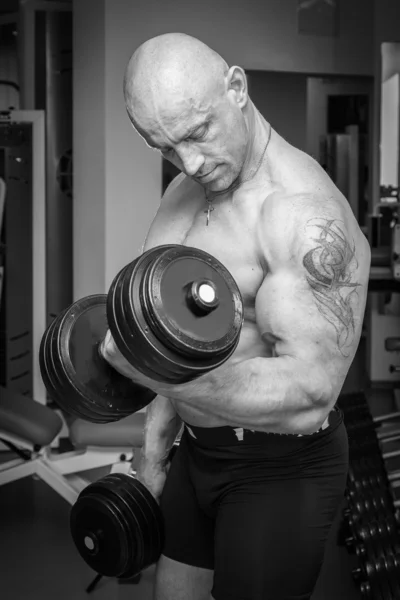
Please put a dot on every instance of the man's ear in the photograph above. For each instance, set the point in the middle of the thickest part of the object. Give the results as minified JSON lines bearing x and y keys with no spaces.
{"x":237,"y":86}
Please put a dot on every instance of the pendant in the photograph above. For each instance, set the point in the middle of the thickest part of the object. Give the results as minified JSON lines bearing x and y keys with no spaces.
{"x":208,"y":211}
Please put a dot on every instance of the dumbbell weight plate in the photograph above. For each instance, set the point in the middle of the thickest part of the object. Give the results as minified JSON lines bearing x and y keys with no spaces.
{"x":158,"y":321}
{"x":51,"y":371}
{"x":146,"y":516}
{"x":153,"y":530}
{"x":136,"y":340}
{"x":117,"y":527}
{"x":102,"y":535}
{"x":375,"y":545}
{"x":394,"y":576}
{"x":47,"y":371}
{"x":180,"y":322}
{"x":136,"y":531}
{"x":81,"y":381}
{"x":373,"y":575}
{"x":55,"y":370}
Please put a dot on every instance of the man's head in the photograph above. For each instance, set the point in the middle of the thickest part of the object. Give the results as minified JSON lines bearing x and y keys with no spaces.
{"x":185,"y":101}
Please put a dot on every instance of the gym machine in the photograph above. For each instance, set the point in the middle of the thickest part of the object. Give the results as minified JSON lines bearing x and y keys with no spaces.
{"x":370,"y":527}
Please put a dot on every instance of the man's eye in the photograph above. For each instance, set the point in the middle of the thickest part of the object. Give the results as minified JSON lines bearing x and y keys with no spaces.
{"x":199,"y":134}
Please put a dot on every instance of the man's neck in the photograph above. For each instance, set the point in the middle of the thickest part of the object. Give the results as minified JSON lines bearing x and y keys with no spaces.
{"x":259,"y":138}
{"x":259,"y":135}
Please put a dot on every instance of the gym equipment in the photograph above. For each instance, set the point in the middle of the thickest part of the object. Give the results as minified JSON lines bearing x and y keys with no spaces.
{"x":374,"y":535}
{"x":379,"y":579}
{"x":75,"y":374}
{"x":174,"y":313}
{"x":117,"y":525}
{"x":371,"y":523}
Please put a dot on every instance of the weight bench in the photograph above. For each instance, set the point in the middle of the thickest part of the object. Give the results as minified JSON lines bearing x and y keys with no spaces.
{"x":29,"y":430}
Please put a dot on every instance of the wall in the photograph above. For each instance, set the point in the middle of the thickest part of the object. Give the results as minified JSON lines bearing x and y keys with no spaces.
{"x":117,"y":179}
{"x":386,"y":29}
{"x":390,"y":64}
{"x":282,"y":99}
{"x":89,"y":143}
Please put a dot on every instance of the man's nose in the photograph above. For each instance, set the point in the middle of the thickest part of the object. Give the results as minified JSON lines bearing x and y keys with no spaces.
{"x":192,"y":160}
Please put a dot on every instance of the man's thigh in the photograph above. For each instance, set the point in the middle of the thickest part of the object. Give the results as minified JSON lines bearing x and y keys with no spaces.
{"x":270,"y":539}
{"x":178,"y":581}
{"x":185,"y":569}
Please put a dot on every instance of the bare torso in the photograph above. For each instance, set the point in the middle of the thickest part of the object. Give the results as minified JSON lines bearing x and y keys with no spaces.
{"x":233,"y":233}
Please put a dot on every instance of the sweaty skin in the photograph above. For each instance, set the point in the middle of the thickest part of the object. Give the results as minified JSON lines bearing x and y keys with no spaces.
{"x":286,"y":233}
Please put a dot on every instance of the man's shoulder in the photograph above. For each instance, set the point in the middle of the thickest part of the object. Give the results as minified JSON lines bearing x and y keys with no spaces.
{"x":283,"y":212}
{"x":291,"y":223}
{"x":178,"y":190}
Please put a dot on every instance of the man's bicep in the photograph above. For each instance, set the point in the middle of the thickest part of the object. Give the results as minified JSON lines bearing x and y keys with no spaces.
{"x":288,"y":318}
{"x":312,"y":304}
{"x":158,"y":230}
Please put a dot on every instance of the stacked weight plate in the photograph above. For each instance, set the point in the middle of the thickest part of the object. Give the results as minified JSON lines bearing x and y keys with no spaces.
{"x":156,"y":324}
{"x":370,"y":527}
{"x":117,"y":526}
{"x":175,"y":313}
{"x":77,"y":378}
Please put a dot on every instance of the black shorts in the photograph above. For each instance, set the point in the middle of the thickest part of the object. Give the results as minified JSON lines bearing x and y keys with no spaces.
{"x":255,"y":507}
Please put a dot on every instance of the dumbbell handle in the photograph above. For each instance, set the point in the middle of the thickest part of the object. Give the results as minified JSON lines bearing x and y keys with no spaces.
{"x":395,"y":476}
{"x":389,"y":437}
{"x":389,"y":455}
{"x":387,"y":417}
{"x":385,"y":435}
{"x":202,"y":298}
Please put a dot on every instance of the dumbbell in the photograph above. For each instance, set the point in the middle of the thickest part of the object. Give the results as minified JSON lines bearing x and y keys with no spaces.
{"x":379,"y":579}
{"x":359,"y":422}
{"x":174,"y":313}
{"x":375,"y":538}
{"x":386,"y":551}
{"x":371,"y":467}
{"x":117,"y":526}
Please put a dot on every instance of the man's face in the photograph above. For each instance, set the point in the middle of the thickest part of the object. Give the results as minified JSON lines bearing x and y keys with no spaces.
{"x":207,"y":140}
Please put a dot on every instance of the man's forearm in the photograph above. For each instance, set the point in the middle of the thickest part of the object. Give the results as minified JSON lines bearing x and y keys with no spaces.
{"x":281,"y":395}
{"x":264,"y":394}
{"x":161,"y":429}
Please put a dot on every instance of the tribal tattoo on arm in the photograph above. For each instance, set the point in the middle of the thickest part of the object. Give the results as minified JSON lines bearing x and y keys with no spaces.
{"x":331,"y":267}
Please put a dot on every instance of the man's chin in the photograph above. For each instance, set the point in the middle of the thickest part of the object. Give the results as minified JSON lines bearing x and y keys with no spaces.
{"x":217,"y":186}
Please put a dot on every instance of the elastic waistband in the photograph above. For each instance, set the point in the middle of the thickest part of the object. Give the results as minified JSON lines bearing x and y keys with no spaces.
{"x":230,"y":436}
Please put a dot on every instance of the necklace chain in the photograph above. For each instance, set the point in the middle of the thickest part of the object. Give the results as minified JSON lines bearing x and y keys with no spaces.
{"x":252,"y":173}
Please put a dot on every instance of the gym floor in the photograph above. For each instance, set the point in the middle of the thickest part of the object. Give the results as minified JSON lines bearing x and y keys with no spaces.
{"x":39,"y":561}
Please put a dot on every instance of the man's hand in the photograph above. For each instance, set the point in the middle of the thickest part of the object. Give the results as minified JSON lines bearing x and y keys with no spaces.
{"x":117,"y":361}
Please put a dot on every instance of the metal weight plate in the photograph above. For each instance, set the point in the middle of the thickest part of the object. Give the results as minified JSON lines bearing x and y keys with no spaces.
{"x":44,"y":363}
{"x":131,"y":334}
{"x":175,"y":313}
{"x":193,"y":303}
{"x":52,"y":372}
{"x":116,"y":525}
{"x":56,"y":372}
{"x":135,"y":523}
{"x":153,"y":534}
{"x":78,"y":378}
{"x":145,"y":512}
{"x":102,"y":534}
{"x":50,"y":367}
{"x":97,"y":384}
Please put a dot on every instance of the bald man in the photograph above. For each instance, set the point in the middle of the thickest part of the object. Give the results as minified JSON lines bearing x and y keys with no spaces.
{"x":260,"y":471}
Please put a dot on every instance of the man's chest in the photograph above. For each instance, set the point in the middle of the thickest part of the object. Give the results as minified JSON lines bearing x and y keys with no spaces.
{"x":229,"y":236}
